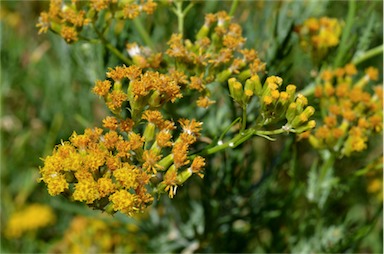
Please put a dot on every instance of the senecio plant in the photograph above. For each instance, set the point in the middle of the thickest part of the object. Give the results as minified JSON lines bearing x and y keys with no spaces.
{"x":144,"y":149}
{"x":156,"y":136}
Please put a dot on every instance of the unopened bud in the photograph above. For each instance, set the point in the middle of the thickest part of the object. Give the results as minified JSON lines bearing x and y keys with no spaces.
{"x":183,"y":176}
{"x":149,"y":132}
{"x":235,"y":89}
{"x":291,"y":112}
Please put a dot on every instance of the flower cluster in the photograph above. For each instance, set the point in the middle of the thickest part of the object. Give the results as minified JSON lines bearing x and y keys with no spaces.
{"x":85,"y":235}
{"x":113,"y":170}
{"x":141,"y":151}
{"x":274,"y":104}
{"x":352,"y":109}
{"x":31,"y":218}
{"x":217,"y":53}
{"x":318,"y":35}
{"x":68,"y":19}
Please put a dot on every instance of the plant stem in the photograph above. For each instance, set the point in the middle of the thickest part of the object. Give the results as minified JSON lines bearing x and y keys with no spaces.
{"x":244,"y":119}
{"x":239,"y":139}
{"x":235,"y":3}
{"x":111,"y":48}
{"x":117,"y":53}
{"x":180,"y":13}
{"x":368,"y":54}
{"x":346,"y":34}
{"x":143,"y":33}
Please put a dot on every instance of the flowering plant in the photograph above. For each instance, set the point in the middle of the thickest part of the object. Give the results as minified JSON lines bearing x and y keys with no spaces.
{"x":205,"y":133}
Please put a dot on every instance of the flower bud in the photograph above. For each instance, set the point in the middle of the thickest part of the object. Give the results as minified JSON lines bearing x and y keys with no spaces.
{"x":291,"y":112}
{"x":183,"y":176}
{"x":310,"y":125}
{"x":149,"y":132}
{"x":235,"y":89}
{"x":203,"y":32}
{"x":166,"y":161}
{"x":155,"y":99}
{"x":244,"y":75}
{"x":223,"y":76}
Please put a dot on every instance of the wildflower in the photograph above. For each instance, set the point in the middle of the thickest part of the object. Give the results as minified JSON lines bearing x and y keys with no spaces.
{"x":197,"y":83}
{"x":372,"y":73}
{"x":126,"y":176}
{"x":117,"y":73}
{"x":86,"y":190}
{"x":69,"y":34}
{"x":191,"y":127}
{"x":179,"y":152}
{"x":170,"y":181}
{"x":149,"y":7}
{"x":204,"y":102}
{"x":99,"y":5}
{"x":32,"y":217}
{"x":44,"y":23}
{"x":105,"y":186}
{"x":110,"y":122}
{"x":115,"y":100}
{"x":163,"y":138}
{"x":131,"y":10}
{"x":150,"y":161}
{"x":347,"y":108}
{"x":123,"y":201}
{"x":102,"y":87}
{"x":197,"y":165}
{"x":126,"y":125}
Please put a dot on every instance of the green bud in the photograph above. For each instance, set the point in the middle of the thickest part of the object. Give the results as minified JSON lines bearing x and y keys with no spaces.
{"x":223,"y":76}
{"x":117,"y":85}
{"x":149,"y":132}
{"x":244,"y":75}
{"x":301,"y":102}
{"x":309,"y":111}
{"x":309,"y":125}
{"x":291,"y":112}
{"x":166,"y":161}
{"x":203,"y":32}
{"x":109,"y":209}
{"x":315,"y":142}
{"x":183,"y":176}
{"x":247,"y":95}
{"x":56,"y":27}
{"x":155,"y":99}
{"x":236,"y":89}
{"x":299,"y":120}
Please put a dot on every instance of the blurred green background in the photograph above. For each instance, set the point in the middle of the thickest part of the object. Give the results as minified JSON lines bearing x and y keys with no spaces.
{"x":251,"y":200}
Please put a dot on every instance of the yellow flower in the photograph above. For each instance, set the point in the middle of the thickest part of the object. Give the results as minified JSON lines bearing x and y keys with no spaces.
{"x":124,"y":202}
{"x":197,"y":165}
{"x":126,"y":176}
{"x":30,"y":218}
{"x":86,"y":190}
{"x":69,"y":34}
{"x":150,"y":161}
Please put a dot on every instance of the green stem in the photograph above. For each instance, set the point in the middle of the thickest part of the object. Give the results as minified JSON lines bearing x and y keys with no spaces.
{"x":117,"y":53}
{"x":244,"y":120}
{"x":180,"y":13}
{"x":368,"y":54}
{"x":180,"y":18}
{"x":346,"y":34}
{"x":239,"y":139}
{"x":111,"y":48}
{"x":235,"y":3}
{"x":143,"y":33}
{"x":229,"y":127}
